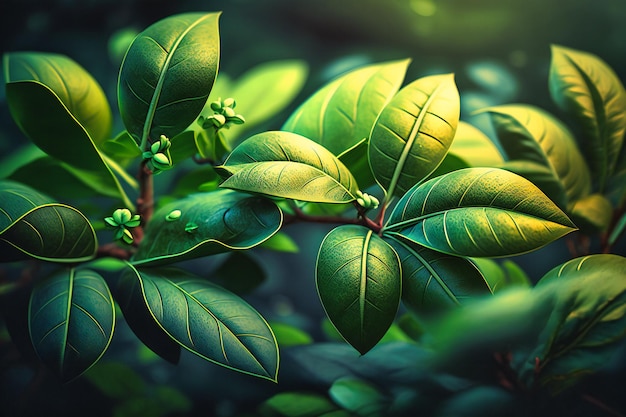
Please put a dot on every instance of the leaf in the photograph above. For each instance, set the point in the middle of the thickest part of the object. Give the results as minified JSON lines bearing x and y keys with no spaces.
{"x":528,"y":133}
{"x":288,"y":165}
{"x":116,"y":380}
{"x":542,"y":176}
{"x":71,"y":321}
{"x":359,"y":397}
{"x":167,"y":75}
{"x":121,"y":148}
{"x":433,"y":281}
{"x":588,"y":90}
{"x":355,"y":159}
{"x":58,"y":133}
{"x":480,"y":401}
{"x":481,"y":212}
{"x":18,"y":158}
{"x":592,"y":214}
{"x":300,"y":404}
{"x":620,"y":226}
{"x":281,"y":242}
{"x":502,"y":276}
{"x":207,"y":320}
{"x":287,"y":335}
{"x":414,"y":132}
{"x":32,"y":226}
{"x":239,"y":273}
{"x":474,"y":147}
{"x":588,"y":321}
{"x":359,"y":283}
{"x":234,"y":221}
{"x":79,"y":92}
{"x":343,"y":112}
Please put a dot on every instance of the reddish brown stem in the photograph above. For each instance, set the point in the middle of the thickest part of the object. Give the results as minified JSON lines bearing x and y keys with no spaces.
{"x":362,"y":219}
{"x":113,"y":251}
{"x":145,"y":201}
{"x":608,"y":410}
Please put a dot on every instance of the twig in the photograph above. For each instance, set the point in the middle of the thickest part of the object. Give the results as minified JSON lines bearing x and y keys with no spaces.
{"x":602,"y":406}
{"x":145,"y":201}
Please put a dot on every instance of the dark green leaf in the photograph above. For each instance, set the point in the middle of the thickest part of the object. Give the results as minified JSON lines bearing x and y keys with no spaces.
{"x":501,"y":276}
{"x":32,"y":226}
{"x":414,"y":132}
{"x":343,"y":112}
{"x":239,"y":273}
{"x":588,"y":90}
{"x":226,"y":220}
{"x":300,"y":404}
{"x":121,"y":148}
{"x":71,"y":321}
{"x":207,"y":320}
{"x":620,"y":226}
{"x":587,"y":323}
{"x":530,"y":134}
{"x":167,"y":75}
{"x":288,"y":165}
{"x":359,"y":284}
{"x":433,"y":281}
{"x":79,"y":92}
{"x":592,"y":214}
{"x":287,"y":335}
{"x":20,"y":157}
{"x":359,"y":397}
{"x":355,"y":159}
{"x":481,"y":212}
{"x":116,"y":380}
{"x":480,"y":401}
{"x":48,"y":123}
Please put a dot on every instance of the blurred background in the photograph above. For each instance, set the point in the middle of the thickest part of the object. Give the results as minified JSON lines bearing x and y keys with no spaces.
{"x":499,"y":51}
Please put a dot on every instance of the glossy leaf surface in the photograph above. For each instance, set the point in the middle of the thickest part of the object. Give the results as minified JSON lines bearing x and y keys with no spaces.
{"x":593,"y":213}
{"x":359,"y":397}
{"x":502,"y":276}
{"x":71,"y":320}
{"x":284,"y":164}
{"x":588,"y":90}
{"x":474,"y":147}
{"x":207,"y":320}
{"x":167,"y":75}
{"x":225,"y":220}
{"x":77,"y":90}
{"x":587,"y":322}
{"x":530,"y":134}
{"x":478,"y":212}
{"x":359,"y":283}
{"x":433,"y":281}
{"x":32,"y":226}
{"x":414,"y":132}
{"x":47,"y":122}
{"x":343,"y":112}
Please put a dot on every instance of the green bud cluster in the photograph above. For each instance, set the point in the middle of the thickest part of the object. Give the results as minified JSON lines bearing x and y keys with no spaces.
{"x":223,"y":115}
{"x":122,"y":220}
{"x":367,"y":201}
{"x":157,"y":156}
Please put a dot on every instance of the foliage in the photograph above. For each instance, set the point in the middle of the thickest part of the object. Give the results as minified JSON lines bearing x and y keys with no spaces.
{"x":449,"y":200}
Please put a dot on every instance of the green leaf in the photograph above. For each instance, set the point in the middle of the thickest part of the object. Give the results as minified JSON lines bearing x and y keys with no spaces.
{"x":41,"y":115}
{"x":287,"y":335}
{"x":265,"y":90}
{"x":71,"y":320}
{"x":207,"y":320}
{"x":414,"y":132}
{"x":542,"y":176}
{"x":592,"y":214}
{"x":121,"y":148}
{"x":530,"y":134}
{"x":359,"y":397}
{"x":284,"y":164}
{"x":32,"y":226}
{"x":281,"y":242}
{"x":359,"y":283}
{"x":20,"y":157}
{"x":116,"y":380}
{"x":433,"y":281}
{"x":300,"y":404}
{"x":620,"y":226}
{"x":343,"y":112}
{"x":474,"y":147}
{"x":167,"y":75}
{"x":501,"y":276}
{"x":481,"y":212}
{"x":234,"y":221}
{"x":589,"y":91}
{"x":587,"y":323}
{"x":239,"y":273}
{"x":355,"y":159}
{"x":79,"y":92}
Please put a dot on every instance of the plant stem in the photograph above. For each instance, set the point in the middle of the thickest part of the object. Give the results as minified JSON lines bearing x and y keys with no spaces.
{"x":608,"y":410}
{"x":145,"y":201}
{"x":362,"y":220}
{"x":113,"y":251}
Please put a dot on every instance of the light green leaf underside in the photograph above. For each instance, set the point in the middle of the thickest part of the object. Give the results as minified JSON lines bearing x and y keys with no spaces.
{"x":167,"y":75}
{"x":474,"y":147}
{"x":79,"y":92}
{"x":343,"y":112}
{"x":433,"y":281}
{"x":283,"y":163}
{"x":359,"y":283}
{"x":226,"y":220}
{"x":482,"y":212}
{"x":414,"y":132}
{"x":593,"y":213}
{"x":32,"y":226}
{"x":71,"y":321}
{"x":42,"y":116}
{"x":530,"y":134}
{"x":589,"y":91}
{"x":586,"y":326}
{"x":209,"y":321}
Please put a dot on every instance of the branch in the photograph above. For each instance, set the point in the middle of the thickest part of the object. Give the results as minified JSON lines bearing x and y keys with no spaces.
{"x":145,"y":201}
